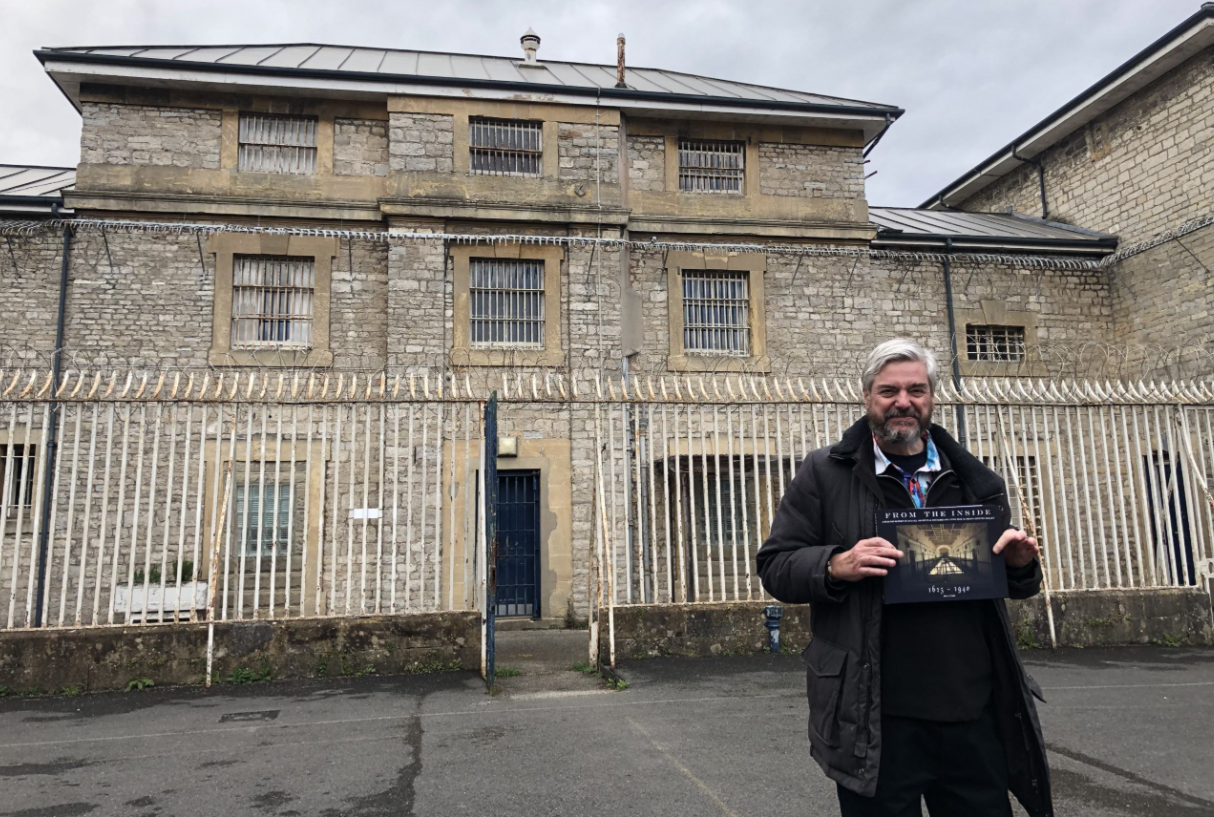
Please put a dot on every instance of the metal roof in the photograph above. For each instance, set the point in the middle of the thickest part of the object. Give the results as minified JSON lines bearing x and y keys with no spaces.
{"x":438,"y":65}
{"x":363,"y":70}
{"x":1173,"y":48}
{"x":31,"y":188}
{"x":905,"y":226}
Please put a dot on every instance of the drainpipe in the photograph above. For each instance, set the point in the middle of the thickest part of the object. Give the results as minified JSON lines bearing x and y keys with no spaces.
{"x":1045,"y":210}
{"x":952,"y":333}
{"x":52,"y":437}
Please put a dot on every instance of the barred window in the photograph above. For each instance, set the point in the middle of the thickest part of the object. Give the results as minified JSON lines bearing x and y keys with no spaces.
{"x":995,"y":343}
{"x":17,"y":476}
{"x":716,"y":312}
{"x":506,"y":303}
{"x":262,"y":516}
{"x":277,"y":144}
{"x":272,"y":302}
{"x":505,"y":147}
{"x":711,"y":167}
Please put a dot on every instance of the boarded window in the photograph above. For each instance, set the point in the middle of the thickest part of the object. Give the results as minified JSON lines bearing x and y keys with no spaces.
{"x":277,"y":144}
{"x":506,"y":303}
{"x":995,"y":343}
{"x":17,"y":476}
{"x":505,"y":147}
{"x":711,"y":167}
{"x":716,"y":312}
{"x":269,"y":514}
{"x":272,"y":302}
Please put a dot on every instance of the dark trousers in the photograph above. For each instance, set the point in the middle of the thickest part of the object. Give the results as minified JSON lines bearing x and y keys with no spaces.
{"x":958,"y":768}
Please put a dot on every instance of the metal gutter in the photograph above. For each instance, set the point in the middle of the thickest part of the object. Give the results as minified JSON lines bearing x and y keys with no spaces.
{"x":873,"y":112}
{"x":1203,"y":15}
{"x":1098,"y":246}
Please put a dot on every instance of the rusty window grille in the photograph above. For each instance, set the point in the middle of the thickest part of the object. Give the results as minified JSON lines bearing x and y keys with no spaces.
{"x":995,"y":343}
{"x":277,"y":144}
{"x":273,"y":524}
{"x":711,"y":167}
{"x":272,"y":302}
{"x":20,"y":485}
{"x":505,"y":147}
{"x":716,"y":312}
{"x":507,"y":303}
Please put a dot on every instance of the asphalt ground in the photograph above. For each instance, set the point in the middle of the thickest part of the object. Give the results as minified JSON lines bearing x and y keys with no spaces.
{"x":1130,"y":732}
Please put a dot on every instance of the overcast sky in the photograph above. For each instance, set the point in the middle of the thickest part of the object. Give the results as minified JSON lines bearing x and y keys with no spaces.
{"x":971,"y":74}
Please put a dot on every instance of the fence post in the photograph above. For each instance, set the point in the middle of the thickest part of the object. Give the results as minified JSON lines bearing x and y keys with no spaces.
{"x":490,"y":500}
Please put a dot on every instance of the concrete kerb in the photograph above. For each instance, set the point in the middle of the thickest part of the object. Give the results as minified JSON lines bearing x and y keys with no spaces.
{"x":97,"y":658}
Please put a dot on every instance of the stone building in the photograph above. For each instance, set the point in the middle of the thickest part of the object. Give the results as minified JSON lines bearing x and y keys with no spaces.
{"x":747,"y":243}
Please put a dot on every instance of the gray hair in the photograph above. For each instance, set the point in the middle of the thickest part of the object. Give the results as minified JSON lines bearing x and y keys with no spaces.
{"x":896,"y":351}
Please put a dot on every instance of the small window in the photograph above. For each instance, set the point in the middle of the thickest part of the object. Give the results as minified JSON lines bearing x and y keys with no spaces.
{"x":18,"y":486}
{"x":716,"y":312}
{"x":505,"y":147}
{"x":507,"y":303}
{"x":277,"y":144}
{"x":995,"y":343}
{"x":711,"y":167}
{"x":272,"y":302}
{"x":274,"y":527}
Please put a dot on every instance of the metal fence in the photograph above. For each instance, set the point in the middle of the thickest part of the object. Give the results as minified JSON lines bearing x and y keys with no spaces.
{"x":1112,"y":478}
{"x":146,"y":499}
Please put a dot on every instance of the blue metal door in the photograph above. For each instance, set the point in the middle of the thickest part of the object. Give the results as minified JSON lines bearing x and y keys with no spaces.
{"x":518,"y":550}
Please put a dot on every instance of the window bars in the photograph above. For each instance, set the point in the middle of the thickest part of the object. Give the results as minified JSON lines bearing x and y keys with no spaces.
{"x":507,"y":303}
{"x":505,"y":147}
{"x":711,"y":167}
{"x":260,"y":527}
{"x":277,"y":144}
{"x":716,"y":312}
{"x":995,"y":343}
{"x":17,"y":475}
{"x":272,"y":302}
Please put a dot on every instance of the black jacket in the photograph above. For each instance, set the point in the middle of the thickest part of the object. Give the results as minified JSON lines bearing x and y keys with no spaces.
{"x":831,"y":505}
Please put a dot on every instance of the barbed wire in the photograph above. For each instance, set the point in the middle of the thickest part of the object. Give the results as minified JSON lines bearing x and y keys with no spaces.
{"x":116,"y":226}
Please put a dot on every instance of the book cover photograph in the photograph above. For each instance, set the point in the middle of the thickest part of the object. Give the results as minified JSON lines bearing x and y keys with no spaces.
{"x":947,"y":554}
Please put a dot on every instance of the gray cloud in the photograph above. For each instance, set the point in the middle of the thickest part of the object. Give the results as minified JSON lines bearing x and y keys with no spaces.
{"x":971,"y":74}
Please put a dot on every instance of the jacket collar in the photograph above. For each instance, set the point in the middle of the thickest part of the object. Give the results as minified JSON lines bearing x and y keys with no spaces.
{"x":982,"y":482}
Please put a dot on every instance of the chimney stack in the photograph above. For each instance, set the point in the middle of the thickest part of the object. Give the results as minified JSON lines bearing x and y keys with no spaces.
{"x":531,"y":44}
{"x":619,"y":64}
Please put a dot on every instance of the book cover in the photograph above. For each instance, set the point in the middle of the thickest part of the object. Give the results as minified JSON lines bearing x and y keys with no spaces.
{"x":947,"y":554}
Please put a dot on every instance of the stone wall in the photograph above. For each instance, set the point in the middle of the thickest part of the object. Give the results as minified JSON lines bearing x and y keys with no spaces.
{"x":29,"y":279}
{"x":584,"y":157}
{"x":1163,"y":307}
{"x":810,"y":171}
{"x":1141,"y":168}
{"x":647,"y":163}
{"x":824,"y":314}
{"x":360,"y":147}
{"x":421,"y":142}
{"x":100,"y":658}
{"x":144,"y":135}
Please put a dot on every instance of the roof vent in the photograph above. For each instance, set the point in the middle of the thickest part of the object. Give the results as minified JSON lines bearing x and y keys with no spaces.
{"x":531,"y":44}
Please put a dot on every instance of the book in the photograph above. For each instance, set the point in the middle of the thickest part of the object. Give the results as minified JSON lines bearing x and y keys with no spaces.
{"x":947,"y":554}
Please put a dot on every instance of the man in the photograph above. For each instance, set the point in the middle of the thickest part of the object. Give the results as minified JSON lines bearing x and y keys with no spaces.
{"x":906,"y":701}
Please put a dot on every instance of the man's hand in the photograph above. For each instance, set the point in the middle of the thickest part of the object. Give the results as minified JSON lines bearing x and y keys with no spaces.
{"x":1017,"y":547}
{"x":870,"y":557}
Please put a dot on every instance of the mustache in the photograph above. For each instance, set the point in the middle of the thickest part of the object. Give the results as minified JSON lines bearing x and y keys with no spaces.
{"x":909,"y":411}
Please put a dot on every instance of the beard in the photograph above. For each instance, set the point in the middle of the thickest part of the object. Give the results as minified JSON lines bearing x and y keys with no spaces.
{"x":891,"y":435}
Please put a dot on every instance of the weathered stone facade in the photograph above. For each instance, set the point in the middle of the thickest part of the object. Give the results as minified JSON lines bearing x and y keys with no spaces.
{"x":810,"y":171}
{"x":1145,"y":166}
{"x":585,"y":153}
{"x":360,"y":147}
{"x":646,"y":162}
{"x":145,"y":135}
{"x":421,"y":142}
